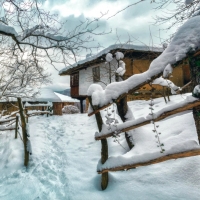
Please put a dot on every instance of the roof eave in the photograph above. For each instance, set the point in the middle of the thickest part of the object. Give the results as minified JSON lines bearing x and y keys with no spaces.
{"x":100,"y":59}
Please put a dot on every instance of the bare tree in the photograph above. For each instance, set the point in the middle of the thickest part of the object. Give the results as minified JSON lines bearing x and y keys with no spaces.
{"x":31,"y":38}
{"x":19,"y":77}
{"x":174,"y":12}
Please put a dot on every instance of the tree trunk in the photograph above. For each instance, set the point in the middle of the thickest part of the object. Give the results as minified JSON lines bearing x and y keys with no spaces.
{"x":194,"y":62}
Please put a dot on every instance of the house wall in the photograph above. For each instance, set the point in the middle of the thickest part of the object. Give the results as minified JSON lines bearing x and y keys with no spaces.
{"x":140,"y":66}
{"x":133,"y":66}
{"x":180,"y":77}
{"x":86,"y":77}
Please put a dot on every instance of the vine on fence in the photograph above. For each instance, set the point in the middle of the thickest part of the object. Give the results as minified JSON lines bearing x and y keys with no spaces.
{"x":112,"y":121}
{"x":155,"y":127}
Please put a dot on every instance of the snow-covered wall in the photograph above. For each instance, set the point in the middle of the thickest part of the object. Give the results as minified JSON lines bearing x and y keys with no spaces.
{"x":86,"y":76}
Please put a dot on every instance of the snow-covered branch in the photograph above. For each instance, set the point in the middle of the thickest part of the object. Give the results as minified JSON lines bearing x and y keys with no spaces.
{"x":28,"y":25}
{"x":31,"y":38}
{"x":183,"y":42}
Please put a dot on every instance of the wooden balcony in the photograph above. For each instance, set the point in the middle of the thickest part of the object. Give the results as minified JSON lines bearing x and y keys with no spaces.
{"x":74,"y":91}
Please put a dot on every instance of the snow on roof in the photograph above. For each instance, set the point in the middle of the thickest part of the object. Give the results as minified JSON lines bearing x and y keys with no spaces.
{"x":110,"y":48}
{"x":65,"y":98}
{"x":187,"y":38}
{"x":45,"y":95}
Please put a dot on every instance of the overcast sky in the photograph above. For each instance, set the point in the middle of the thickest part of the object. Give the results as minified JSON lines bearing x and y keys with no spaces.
{"x":135,"y":23}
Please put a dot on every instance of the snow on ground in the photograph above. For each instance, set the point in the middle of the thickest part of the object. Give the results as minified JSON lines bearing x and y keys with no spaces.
{"x":65,"y":156}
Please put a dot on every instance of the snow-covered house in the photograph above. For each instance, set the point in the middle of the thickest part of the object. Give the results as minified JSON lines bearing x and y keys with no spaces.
{"x":45,"y":95}
{"x":95,"y":69}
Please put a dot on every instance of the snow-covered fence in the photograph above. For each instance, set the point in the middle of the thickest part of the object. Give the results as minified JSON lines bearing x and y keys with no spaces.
{"x":7,"y":124}
{"x":106,"y":131}
{"x":115,"y":93}
{"x":129,"y":125}
{"x":29,"y":113}
{"x":181,"y":46}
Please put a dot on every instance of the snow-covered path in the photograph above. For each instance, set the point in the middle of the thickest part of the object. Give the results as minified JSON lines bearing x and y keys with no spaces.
{"x":65,"y":157}
{"x":55,"y":156}
{"x":46,"y":166}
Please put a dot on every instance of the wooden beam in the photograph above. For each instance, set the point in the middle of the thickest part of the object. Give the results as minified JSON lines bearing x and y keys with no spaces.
{"x":8,"y":129}
{"x":38,"y":113}
{"x":197,"y":53}
{"x":162,"y":116}
{"x":184,"y":154}
{"x":186,"y":85}
{"x":7,"y":120}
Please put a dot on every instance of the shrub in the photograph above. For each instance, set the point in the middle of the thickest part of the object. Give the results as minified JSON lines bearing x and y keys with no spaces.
{"x":70,"y":109}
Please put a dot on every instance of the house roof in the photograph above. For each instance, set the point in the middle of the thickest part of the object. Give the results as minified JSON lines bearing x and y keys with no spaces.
{"x":100,"y":57}
{"x":65,"y":98}
{"x":45,"y":95}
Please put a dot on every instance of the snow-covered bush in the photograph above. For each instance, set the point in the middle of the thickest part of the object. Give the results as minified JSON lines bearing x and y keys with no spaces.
{"x":70,"y":109}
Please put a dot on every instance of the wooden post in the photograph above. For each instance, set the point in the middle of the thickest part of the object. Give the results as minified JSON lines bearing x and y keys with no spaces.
{"x":194,"y":62}
{"x":122,"y":108}
{"x":26,"y":114}
{"x":110,"y":78}
{"x":24,"y":133}
{"x":164,"y":94}
{"x":104,"y":147}
{"x":81,"y":104}
{"x":16,"y":126}
{"x":168,"y":93}
{"x":57,"y":108}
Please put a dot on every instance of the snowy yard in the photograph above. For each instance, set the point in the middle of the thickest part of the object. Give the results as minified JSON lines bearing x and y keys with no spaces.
{"x":65,"y":157}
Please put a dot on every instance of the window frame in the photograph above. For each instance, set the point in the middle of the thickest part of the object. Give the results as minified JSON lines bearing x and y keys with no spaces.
{"x":96,"y":74}
{"x":74,"y":79}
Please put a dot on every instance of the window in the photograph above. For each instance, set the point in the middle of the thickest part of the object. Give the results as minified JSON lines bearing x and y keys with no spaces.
{"x":96,"y":74}
{"x":74,"y":79}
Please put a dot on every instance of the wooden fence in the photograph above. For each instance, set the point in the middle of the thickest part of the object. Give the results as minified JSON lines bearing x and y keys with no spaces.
{"x":18,"y":121}
{"x":126,"y":126}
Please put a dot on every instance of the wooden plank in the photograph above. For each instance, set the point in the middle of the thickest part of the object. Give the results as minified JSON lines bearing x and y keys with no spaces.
{"x":185,"y":154}
{"x":162,"y":116}
{"x":38,"y":113}
{"x":7,"y":120}
{"x":8,"y":129}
